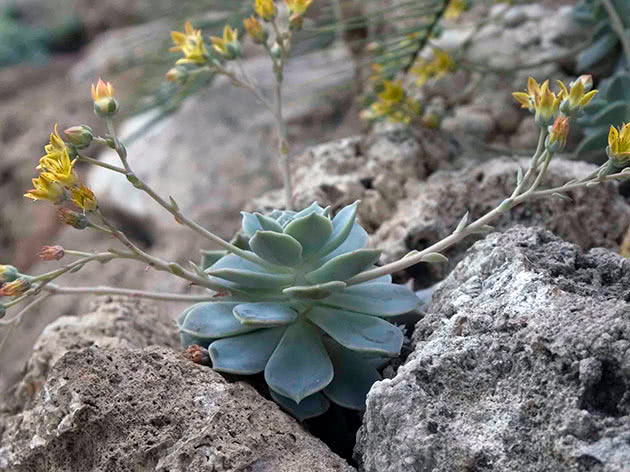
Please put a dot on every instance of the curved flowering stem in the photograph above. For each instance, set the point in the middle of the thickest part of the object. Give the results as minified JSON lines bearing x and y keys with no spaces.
{"x":104,"y":290}
{"x":172,"y":207}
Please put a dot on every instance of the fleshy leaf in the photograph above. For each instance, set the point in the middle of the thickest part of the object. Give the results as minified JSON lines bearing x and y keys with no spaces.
{"x":379,"y":299}
{"x":383,"y":279}
{"x":357,"y":239}
{"x":434,"y":257}
{"x":313,"y":405}
{"x":342,"y":223}
{"x":344,"y":266}
{"x":208,"y":258}
{"x":250,"y":224}
{"x":213,"y":320}
{"x":245,"y":354}
{"x":354,"y":376}
{"x":249,"y":278}
{"x":311,"y":231}
{"x":315,"y":292}
{"x":300,"y":365}
{"x":358,"y":332}
{"x":265,"y":314}
{"x":312,"y":208}
{"x":232,"y":261}
{"x":268,"y":224}
{"x":277,"y":248}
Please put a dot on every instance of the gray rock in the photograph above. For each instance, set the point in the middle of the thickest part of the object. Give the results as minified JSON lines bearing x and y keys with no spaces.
{"x":596,"y":217}
{"x":470,"y":121}
{"x":379,"y":169}
{"x":521,"y":364}
{"x":113,"y":322}
{"x":123,"y":409}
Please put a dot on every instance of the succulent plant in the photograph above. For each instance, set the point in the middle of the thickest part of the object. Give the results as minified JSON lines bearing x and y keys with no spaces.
{"x":610,"y":107}
{"x":293,"y":317}
{"x":605,"y":41}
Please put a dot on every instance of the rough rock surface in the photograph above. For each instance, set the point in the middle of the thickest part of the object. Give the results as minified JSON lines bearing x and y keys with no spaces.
{"x":122,"y":409}
{"x":380,"y":170}
{"x":523,"y":363}
{"x":113,"y":322}
{"x":597,"y":216}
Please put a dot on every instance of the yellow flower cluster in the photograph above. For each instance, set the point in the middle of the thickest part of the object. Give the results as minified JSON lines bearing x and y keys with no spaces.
{"x":545,"y":104}
{"x":553,"y":110}
{"x":441,"y":64}
{"x":57,"y":175}
{"x":191,"y":44}
{"x":393,"y":104}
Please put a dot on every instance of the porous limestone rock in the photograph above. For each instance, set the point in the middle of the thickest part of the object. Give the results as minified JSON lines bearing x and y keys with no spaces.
{"x":597,"y":216}
{"x":379,"y":169}
{"x":522,"y":364}
{"x":130,"y":410}
{"x":113,"y":322}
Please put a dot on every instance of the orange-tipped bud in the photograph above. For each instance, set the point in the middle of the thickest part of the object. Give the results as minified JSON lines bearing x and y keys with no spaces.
{"x":558,"y":133}
{"x":51,"y":253}
{"x":105,"y":104}
{"x":81,"y":136}
{"x":72,"y":218}
{"x":15,"y":288}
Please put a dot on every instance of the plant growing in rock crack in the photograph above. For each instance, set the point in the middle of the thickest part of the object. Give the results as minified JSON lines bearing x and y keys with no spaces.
{"x":297,"y":295}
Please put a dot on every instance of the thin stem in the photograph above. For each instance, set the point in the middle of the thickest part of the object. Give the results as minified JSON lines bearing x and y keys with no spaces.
{"x":98,"y":163}
{"x":617,"y":26}
{"x":479,"y":225}
{"x":173,"y":209}
{"x":103,"y":290}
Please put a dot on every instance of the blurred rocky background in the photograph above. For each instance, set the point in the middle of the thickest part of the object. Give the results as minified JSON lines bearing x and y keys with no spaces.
{"x":212,"y":148}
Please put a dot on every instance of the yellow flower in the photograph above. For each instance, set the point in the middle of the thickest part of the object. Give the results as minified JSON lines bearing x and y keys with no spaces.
{"x":255,"y":29}
{"x":265,"y":9}
{"x":439,"y":66}
{"x":227,"y":46}
{"x":527,"y":99}
{"x":393,"y":93}
{"x":455,"y":8}
{"x":46,"y":189}
{"x":558,"y":133}
{"x":56,"y":144}
{"x":58,"y":168}
{"x":84,"y":198}
{"x":546,"y":104}
{"x":103,"y":96}
{"x":619,"y":145}
{"x":298,"y":7}
{"x":190,"y":43}
{"x":578,"y":97}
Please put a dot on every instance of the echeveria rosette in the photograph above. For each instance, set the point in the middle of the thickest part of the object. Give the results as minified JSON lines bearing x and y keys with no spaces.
{"x":315,"y":338}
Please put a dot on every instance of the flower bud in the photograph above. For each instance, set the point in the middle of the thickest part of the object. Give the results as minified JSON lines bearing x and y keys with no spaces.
{"x":105,"y":105}
{"x":295,"y":22}
{"x":265,"y":9}
{"x":72,"y":218}
{"x":15,"y":288}
{"x":255,"y":30}
{"x":81,"y":136}
{"x":51,"y":253}
{"x":8,"y":273}
{"x":177,"y":75}
{"x":587,"y":81}
{"x":558,"y":133}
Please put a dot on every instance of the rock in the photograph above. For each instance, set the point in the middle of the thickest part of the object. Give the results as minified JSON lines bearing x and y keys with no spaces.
{"x":470,"y":121}
{"x":123,"y":409}
{"x":114,"y":322}
{"x":596,"y":217}
{"x":379,"y":169}
{"x":523,"y":363}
